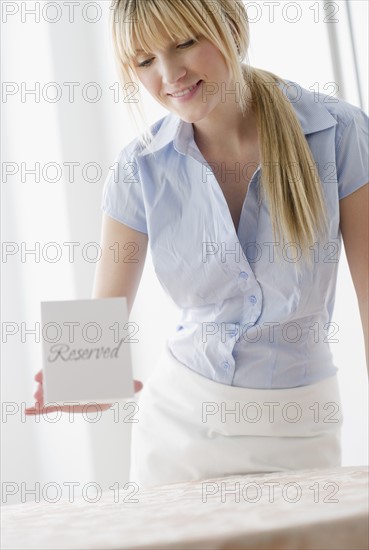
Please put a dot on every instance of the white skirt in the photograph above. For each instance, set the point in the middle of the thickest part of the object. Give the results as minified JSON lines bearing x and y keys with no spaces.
{"x":191,"y":428}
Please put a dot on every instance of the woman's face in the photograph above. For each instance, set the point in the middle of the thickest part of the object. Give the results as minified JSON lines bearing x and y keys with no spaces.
{"x":180,"y":66}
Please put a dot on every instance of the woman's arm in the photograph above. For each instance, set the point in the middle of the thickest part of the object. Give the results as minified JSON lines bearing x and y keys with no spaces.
{"x":354,"y":224}
{"x":118,"y":273}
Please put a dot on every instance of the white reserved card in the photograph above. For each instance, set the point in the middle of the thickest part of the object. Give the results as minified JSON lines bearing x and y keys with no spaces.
{"x":86,"y":351}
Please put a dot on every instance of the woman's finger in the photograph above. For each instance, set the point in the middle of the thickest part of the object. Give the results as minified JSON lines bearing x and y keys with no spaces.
{"x":39,"y":377}
{"x":37,"y":397}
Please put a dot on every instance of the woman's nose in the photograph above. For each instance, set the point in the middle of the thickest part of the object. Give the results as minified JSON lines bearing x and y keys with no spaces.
{"x":172,"y":72}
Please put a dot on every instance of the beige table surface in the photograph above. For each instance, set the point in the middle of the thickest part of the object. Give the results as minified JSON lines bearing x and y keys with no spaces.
{"x":320,"y":509}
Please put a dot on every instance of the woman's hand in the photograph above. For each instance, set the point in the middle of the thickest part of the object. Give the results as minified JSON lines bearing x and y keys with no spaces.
{"x":39,"y":405}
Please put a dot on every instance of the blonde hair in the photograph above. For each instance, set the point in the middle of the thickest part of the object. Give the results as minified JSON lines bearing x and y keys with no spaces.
{"x":297,"y":205}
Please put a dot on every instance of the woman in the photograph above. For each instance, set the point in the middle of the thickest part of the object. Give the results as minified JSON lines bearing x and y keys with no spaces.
{"x":243,"y":191}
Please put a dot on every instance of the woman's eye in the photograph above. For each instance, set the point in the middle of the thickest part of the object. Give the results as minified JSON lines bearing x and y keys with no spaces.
{"x":144,"y":63}
{"x":188,"y":43}
{"x":184,"y":45}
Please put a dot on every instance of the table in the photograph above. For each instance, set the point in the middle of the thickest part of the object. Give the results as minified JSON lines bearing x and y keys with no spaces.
{"x":305,"y":509}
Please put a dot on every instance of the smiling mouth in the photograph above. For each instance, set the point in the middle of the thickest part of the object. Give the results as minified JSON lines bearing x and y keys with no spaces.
{"x":186,"y":91}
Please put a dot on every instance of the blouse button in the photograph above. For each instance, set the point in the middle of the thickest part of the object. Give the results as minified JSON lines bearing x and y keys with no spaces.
{"x":244,"y":275}
{"x":225,"y":365}
{"x":253,"y":299}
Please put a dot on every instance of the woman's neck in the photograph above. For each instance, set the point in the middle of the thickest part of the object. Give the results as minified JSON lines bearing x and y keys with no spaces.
{"x":227,"y":132}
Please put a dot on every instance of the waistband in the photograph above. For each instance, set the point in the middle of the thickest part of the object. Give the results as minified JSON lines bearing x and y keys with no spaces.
{"x":304,"y":411}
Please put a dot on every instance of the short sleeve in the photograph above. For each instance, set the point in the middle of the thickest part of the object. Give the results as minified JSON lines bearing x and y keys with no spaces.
{"x":122,"y":197}
{"x":353,"y":155}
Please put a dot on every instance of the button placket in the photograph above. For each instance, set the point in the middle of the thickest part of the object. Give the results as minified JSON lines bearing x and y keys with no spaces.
{"x":227,"y":364}
{"x":238,"y":267}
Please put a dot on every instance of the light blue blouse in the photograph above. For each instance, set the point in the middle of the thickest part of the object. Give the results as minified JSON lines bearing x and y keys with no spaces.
{"x":245,"y":319}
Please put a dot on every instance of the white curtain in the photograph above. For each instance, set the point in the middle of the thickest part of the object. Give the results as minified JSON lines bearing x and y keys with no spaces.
{"x":63,"y":129}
